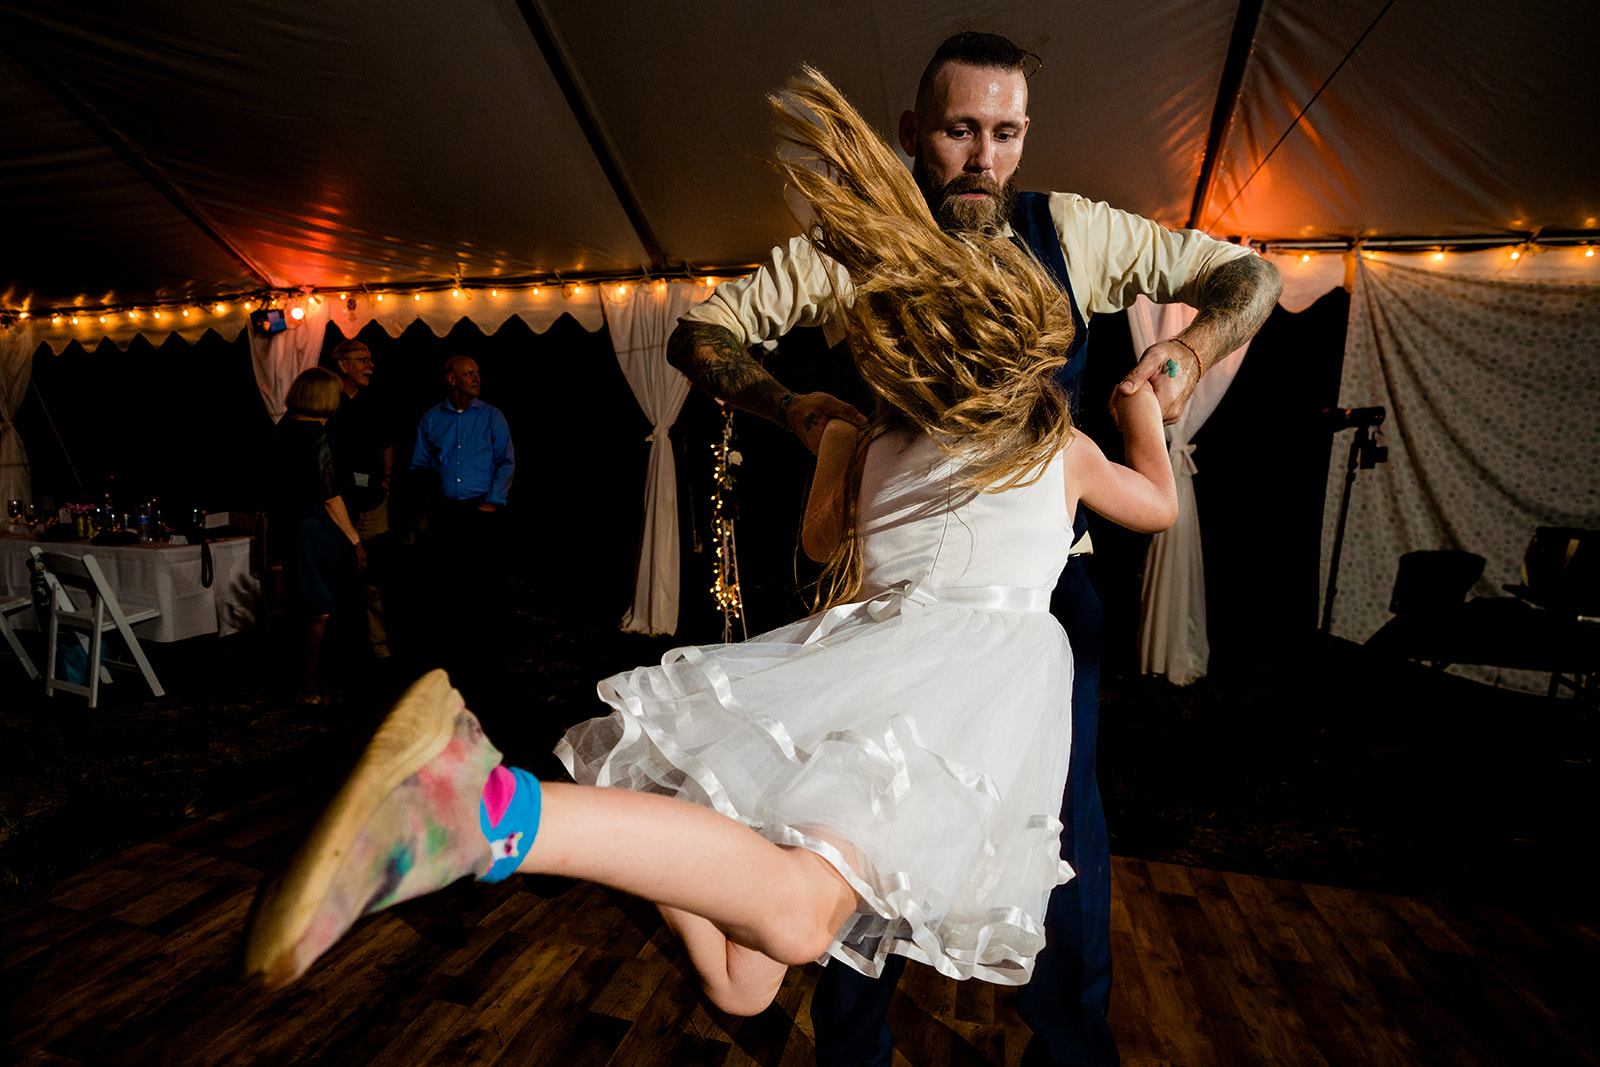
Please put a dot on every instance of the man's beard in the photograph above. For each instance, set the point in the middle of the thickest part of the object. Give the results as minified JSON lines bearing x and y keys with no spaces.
{"x":952,"y":211}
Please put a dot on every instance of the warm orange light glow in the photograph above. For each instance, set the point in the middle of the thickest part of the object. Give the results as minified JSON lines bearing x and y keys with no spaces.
{"x":160,"y":315}
{"x":380,"y":298}
{"x":221,"y":308}
{"x":416,"y":296}
{"x":1516,"y":255}
{"x":1589,"y":254}
{"x":455,"y":292}
{"x":1438,"y":255}
{"x":297,"y":313}
{"x":496,"y":292}
{"x":22,"y":315}
{"x":74,"y":320}
{"x":1305,"y":258}
{"x":185,"y":312}
{"x":55,"y":320}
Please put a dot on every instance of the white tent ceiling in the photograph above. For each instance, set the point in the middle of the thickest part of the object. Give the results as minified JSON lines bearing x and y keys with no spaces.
{"x":182,"y":150}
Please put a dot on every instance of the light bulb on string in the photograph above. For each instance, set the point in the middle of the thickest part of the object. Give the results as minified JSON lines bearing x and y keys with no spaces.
{"x":297,"y":313}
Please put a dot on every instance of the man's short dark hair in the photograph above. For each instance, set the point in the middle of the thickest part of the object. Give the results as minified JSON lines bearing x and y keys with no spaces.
{"x":985,"y":50}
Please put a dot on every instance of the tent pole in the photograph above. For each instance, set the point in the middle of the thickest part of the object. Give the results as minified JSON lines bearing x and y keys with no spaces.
{"x":1244,"y":35}
{"x":131,"y":153}
{"x":605,"y":153}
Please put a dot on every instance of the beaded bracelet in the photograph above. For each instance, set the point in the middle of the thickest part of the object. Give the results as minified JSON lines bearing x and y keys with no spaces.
{"x":1199,"y":365}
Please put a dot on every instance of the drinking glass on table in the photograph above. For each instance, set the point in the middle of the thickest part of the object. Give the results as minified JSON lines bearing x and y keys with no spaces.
{"x":14,"y":509}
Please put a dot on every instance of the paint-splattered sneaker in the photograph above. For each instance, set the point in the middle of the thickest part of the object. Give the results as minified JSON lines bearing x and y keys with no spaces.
{"x":409,"y":820}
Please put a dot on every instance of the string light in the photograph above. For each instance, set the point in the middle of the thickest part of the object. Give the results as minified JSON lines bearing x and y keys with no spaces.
{"x":1589,"y":254}
{"x":309,"y":298}
{"x":725,"y":584}
{"x":1516,"y":254}
{"x":297,"y":313}
{"x":1438,"y":256}
{"x":1305,"y":258}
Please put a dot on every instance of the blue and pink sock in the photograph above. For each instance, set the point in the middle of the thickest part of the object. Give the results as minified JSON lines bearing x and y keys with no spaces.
{"x":508,"y":814}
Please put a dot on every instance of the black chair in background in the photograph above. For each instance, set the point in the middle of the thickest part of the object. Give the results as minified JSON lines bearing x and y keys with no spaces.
{"x":1551,"y":623}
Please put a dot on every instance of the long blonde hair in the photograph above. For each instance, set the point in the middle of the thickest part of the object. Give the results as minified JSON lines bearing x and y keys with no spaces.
{"x":957,"y":335}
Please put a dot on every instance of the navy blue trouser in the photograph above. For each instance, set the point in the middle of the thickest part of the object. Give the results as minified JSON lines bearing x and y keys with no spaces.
{"x":1065,"y":1003}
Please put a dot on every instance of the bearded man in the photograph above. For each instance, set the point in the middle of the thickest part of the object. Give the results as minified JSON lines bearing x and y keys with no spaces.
{"x":965,"y":136}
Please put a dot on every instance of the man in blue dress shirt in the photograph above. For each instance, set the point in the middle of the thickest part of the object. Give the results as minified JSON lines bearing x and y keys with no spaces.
{"x":466,"y":444}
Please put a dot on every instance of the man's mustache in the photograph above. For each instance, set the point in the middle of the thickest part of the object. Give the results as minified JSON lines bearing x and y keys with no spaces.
{"x":969,"y":183}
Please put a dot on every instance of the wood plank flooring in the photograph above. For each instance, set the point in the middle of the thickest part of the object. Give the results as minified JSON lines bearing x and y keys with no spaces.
{"x":134,"y":961}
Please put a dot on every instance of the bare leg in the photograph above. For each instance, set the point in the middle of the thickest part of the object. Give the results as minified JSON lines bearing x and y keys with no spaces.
{"x":739,"y":980}
{"x":745,"y":908}
{"x":312,"y":649}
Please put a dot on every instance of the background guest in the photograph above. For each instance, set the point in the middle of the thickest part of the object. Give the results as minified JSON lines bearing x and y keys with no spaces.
{"x":464,"y":446}
{"x":313,"y":532}
{"x":363,"y":458}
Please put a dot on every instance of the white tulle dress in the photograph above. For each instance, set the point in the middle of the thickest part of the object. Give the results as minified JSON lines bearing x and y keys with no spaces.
{"x":917,"y":739}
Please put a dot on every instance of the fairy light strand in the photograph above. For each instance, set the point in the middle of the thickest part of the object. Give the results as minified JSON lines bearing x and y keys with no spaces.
{"x":725,"y":583}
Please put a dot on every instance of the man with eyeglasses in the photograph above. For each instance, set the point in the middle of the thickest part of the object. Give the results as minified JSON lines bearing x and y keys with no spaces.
{"x":965,"y":136}
{"x":363,"y":457}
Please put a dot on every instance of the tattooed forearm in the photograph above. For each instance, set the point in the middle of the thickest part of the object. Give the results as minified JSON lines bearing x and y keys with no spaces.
{"x":1235,"y":300}
{"x":712,"y":358}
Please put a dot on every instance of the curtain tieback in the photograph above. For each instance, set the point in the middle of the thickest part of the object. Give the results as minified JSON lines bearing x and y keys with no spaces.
{"x":1182,"y":457}
{"x":659,"y":433}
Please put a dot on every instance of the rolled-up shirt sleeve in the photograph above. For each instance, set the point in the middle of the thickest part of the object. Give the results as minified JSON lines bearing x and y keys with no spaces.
{"x":1114,"y":256}
{"x":796,"y":287}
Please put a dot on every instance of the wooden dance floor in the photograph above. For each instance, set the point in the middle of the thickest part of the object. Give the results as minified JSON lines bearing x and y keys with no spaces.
{"x":134,"y":961}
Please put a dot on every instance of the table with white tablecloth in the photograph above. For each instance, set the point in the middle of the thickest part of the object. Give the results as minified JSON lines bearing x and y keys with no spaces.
{"x":164,"y":575}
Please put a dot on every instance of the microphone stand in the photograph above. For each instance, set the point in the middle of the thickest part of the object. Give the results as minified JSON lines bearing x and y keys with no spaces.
{"x":1365,"y":454}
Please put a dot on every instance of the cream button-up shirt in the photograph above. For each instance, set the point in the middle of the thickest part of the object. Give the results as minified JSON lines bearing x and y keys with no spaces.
{"x":1112,"y":257}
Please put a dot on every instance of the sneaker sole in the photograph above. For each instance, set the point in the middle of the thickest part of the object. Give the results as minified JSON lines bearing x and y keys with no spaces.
{"x":417,"y":729}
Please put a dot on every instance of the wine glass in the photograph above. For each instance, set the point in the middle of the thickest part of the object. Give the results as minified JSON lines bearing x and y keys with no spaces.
{"x":14,"y":509}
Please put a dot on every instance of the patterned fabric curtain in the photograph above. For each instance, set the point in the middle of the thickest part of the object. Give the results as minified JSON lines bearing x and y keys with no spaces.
{"x":1492,"y":429}
{"x":642,"y":317}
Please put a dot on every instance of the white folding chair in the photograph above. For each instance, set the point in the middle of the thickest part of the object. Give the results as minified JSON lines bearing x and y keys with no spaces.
{"x":9,"y":607}
{"x":102,"y":615}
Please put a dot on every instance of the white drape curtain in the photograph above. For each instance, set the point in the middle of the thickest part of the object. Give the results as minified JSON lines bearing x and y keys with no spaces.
{"x":1492,"y":426}
{"x":1172,"y":618}
{"x":17,"y":345}
{"x":279,"y":358}
{"x":642,"y":317}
